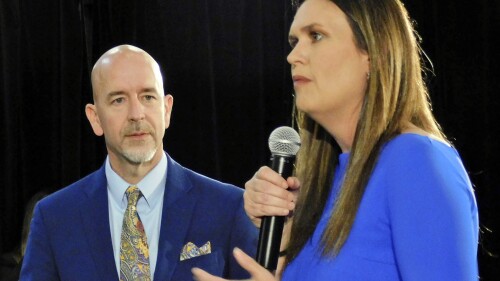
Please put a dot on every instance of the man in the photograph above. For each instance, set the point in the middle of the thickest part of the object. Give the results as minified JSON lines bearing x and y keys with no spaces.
{"x":141,"y":216}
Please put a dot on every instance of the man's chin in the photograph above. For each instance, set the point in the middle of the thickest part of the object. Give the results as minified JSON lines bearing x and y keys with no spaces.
{"x":139,"y":157}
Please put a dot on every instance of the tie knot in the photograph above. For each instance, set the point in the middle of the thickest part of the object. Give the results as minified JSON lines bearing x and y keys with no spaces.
{"x":133,"y":194}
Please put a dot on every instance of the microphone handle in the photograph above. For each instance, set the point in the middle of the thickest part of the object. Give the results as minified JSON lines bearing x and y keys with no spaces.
{"x":271,"y":228}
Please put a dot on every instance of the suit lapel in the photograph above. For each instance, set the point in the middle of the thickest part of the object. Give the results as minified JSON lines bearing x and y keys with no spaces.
{"x":95,"y":215}
{"x":178,"y":206}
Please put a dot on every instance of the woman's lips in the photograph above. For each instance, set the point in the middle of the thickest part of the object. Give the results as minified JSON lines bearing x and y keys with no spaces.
{"x":299,"y":80}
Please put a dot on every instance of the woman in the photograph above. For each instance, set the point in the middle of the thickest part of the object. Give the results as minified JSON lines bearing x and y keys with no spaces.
{"x":10,"y":263}
{"x":383,"y":194}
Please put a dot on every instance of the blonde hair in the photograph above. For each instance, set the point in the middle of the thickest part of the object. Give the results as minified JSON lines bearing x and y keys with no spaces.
{"x":396,"y":97}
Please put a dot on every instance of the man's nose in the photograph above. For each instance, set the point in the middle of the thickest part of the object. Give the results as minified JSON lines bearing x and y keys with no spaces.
{"x":136,"y":109}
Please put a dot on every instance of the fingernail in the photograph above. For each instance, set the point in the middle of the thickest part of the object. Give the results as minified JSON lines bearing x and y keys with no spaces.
{"x":193,"y":271}
{"x":237,"y":252}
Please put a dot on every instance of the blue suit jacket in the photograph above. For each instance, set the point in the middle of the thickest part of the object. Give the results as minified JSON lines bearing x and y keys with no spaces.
{"x":70,"y":236}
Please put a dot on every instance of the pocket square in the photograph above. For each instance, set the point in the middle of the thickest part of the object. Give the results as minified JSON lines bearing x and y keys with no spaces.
{"x":190,"y":250}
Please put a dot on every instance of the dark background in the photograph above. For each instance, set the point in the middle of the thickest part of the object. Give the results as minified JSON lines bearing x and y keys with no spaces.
{"x":224,"y":62}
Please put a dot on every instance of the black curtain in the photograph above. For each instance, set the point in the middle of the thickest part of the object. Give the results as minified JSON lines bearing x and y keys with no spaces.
{"x":224,"y":63}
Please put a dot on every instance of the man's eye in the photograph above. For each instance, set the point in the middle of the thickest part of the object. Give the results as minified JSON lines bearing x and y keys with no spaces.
{"x":149,"y":97}
{"x":118,"y":100}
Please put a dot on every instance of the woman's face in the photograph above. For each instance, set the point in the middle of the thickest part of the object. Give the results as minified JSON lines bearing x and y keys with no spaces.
{"x":329,"y":72}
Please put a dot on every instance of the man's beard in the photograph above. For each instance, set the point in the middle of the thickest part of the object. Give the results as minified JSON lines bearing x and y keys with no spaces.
{"x":139,"y":157}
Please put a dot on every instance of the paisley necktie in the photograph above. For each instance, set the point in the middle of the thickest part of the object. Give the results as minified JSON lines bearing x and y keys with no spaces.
{"x":134,"y":252}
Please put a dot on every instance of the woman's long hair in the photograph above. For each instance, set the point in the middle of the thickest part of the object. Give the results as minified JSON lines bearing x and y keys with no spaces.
{"x":396,"y":96}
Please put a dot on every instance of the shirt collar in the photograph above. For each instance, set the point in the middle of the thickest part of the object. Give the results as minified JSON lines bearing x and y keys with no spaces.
{"x":151,"y":186}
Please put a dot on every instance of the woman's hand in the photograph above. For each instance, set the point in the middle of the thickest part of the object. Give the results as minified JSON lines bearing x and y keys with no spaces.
{"x":268,"y":194}
{"x":257,"y":272}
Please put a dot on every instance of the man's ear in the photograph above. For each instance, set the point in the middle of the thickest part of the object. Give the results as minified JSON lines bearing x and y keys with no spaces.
{"x":91,"y":112}
{"x":169,"y":103}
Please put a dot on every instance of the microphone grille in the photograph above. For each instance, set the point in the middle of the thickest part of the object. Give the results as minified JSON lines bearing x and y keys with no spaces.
{"x":284,"y":141}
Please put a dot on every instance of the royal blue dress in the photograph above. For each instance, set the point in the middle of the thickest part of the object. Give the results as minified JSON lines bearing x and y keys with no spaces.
{"x":417,"y":220}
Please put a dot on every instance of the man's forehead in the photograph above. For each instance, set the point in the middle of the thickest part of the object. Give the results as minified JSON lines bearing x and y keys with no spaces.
{"x":123,"y":58}
{"x":125,"y":63}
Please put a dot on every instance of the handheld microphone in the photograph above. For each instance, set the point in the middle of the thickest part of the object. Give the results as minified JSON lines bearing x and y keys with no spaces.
{"x":284,"y":143}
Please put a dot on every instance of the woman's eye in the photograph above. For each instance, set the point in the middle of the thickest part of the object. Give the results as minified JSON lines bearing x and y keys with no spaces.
{"x":316,"y":36}
{"x":293,"y":42}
